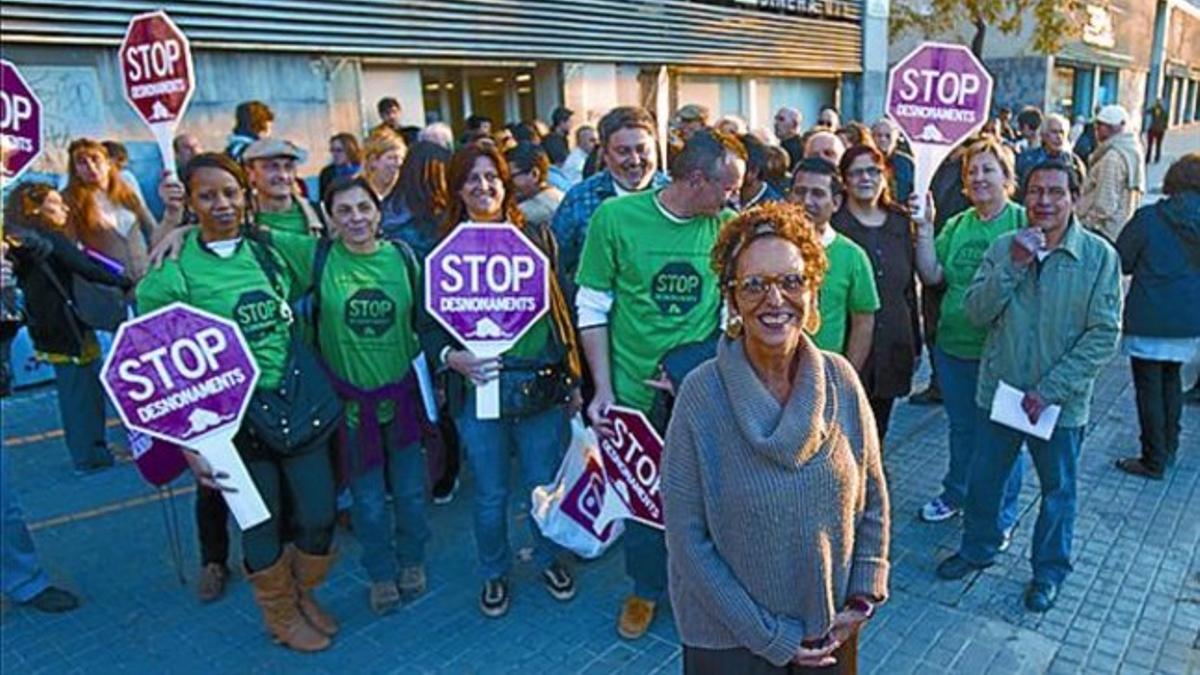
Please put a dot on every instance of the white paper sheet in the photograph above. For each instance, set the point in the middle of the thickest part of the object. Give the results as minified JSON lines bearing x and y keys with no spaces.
{"x":425,"y":381}
{"x":1007,"y":410}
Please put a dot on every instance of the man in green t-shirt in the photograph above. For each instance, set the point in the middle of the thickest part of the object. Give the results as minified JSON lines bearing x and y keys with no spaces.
{"x":271,"y":167}
{"x":646,"y":287}
{"x":848,"y":298}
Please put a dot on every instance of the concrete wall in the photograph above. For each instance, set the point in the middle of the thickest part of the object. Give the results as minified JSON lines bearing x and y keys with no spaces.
{"x":81,"y":94}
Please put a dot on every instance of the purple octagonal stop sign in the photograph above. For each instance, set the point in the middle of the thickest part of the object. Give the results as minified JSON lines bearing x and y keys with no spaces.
{"x":487,"y":283}
{"x":20,"y":121}
{"x":180,"y":374}
{"x":939,"y":94}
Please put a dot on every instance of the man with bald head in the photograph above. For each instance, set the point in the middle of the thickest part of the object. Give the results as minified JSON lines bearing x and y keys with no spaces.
{"x":787,"y":130}
{"x":887,"y":137}
{"x":826,"y":145}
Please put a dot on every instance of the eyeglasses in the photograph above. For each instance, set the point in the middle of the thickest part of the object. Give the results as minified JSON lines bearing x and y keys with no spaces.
{"x":868,"y":171}
{"x":756,"y":286}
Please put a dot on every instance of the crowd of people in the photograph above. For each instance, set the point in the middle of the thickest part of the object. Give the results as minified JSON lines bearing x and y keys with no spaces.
{"x":764,"y":296}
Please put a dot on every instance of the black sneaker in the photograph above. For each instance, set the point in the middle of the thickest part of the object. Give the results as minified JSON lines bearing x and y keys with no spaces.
{"x":956,"y":567}
{"x":444,"y":491}
{"x":493,"y":601}
{"x":54,"y":600}
{"x":559,"y":582}
{"x":1040,"y":596}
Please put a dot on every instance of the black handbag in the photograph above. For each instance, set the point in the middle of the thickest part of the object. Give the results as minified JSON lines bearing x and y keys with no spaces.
{"x":528,"y":387}
{"x":303,"y":410}
{"x":98,"y":306}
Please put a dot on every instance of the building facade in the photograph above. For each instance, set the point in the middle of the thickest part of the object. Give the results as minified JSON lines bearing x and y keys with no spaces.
{"x":322,"y":66}
{"x":1131,"y":52}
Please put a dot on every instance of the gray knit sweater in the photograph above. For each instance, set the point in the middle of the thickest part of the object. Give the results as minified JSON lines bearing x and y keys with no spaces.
{"x":775,"y":515}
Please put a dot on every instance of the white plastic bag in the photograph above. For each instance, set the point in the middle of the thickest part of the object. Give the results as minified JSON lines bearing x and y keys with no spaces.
{"x":576,"y":511}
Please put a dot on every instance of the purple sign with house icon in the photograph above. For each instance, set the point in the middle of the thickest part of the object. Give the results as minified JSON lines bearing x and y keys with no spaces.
{"x":180,"y":374}
{"x":487,"y":284}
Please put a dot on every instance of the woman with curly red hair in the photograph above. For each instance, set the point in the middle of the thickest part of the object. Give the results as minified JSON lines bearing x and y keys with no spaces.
{"x":775,"y":502}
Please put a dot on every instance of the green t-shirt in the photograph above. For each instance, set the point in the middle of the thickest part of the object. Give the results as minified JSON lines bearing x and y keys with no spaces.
{"x":849,"y":288}
{"x":664,"y":292}
{"x":291,"y":221}
{"x":366,"y":334}
{"x":236,"y":288}
{"x":960,"y":248}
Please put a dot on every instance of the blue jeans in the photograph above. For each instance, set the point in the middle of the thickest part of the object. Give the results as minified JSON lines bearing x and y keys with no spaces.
{"x":1056,"y":462}
{"x":646,"y":560}
{"x":391,"y":538}
{"x":539,"y":441}
{"x":81,"y":407}
{"x":21,"y":577}
{"x":958,"y":379}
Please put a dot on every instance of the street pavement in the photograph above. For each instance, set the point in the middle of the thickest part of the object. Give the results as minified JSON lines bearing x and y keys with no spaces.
{"x":1132,"y":604}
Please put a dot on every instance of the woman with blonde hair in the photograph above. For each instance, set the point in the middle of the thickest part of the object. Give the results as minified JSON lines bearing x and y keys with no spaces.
{"x":383,"y":154}
{"x":775,"y":501}
{"x":106,"y":214}
{"x":950,"y":260}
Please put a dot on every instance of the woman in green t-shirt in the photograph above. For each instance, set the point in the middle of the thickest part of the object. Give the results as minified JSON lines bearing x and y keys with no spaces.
{"x":952,"y":259}
{"x":222,"y":269}
{"x":538,"y":379}
{"x":366,"y":293}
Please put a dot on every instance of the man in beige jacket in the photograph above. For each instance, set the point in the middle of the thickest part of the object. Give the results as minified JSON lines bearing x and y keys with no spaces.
{"x":1116,"y":179}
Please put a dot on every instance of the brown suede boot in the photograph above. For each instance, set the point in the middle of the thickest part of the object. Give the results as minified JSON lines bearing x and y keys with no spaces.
{"x":311,"y":571}
{"x":275,"y":593}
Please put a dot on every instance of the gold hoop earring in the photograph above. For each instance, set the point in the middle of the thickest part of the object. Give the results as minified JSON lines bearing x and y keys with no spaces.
{"x":734,"y":327}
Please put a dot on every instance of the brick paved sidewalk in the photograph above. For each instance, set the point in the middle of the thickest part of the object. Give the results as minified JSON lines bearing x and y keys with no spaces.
{"x":1132,"y":605}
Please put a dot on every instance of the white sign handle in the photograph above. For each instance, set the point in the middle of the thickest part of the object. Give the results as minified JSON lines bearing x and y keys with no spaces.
{"x":927,"y":158}
{"x":487,"y":396}
{"x":164,"y":135}
{"x":247,"y":503}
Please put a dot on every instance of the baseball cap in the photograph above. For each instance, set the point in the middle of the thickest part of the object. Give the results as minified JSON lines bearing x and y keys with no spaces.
{"x":1113,"y":115}
{"x":692,"y":112}
{"x":274,"y":147}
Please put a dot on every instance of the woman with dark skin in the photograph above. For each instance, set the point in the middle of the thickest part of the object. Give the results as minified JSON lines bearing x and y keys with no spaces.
{"x":888,"y":235}
{"x":222,"y":267}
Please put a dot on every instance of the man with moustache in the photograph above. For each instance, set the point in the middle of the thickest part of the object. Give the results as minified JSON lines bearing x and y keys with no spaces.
{"x":630,"y":151}
{"x":848,"y":299}
{"x":1050,"y":296}
{"x":646,"y":286}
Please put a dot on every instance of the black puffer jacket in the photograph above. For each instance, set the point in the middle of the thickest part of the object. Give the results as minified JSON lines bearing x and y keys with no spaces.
{"x":42,"y":259}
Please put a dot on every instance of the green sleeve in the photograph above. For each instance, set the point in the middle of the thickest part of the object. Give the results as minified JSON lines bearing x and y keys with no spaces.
{"x":941,"y":245}
{"x":297,"y":252}
{"x":864,"y":296}
{"x":598,"y":262}
{"x":160,"y":287}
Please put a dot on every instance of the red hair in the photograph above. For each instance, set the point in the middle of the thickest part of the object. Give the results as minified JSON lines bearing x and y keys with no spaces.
{"x":85,"y":219}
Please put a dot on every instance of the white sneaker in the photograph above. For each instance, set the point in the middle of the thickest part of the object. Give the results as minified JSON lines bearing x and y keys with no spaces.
{"x":938,"y":510}
{"x":1006,"y":542}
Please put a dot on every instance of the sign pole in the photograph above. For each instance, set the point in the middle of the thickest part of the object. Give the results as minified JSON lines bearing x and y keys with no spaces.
{"x":158,"y":77}
{"x":487,"y":396}
{"x":246,"y":504}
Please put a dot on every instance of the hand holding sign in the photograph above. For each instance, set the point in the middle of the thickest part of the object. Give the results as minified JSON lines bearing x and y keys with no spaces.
{"x":939,"y":94}
{"x":186,"y":376}
{"x":487,"y":284}
{"x":156,"y":68}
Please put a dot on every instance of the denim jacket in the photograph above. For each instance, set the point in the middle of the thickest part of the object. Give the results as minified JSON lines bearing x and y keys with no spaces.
{"x":1051,"y":325}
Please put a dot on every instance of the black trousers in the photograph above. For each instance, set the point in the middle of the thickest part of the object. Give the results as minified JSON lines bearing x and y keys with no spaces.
{"x":882,"y":407}
{"x":1159,"y":392}
{"x":697,"y":661}
{"x":212,"y":518}
{"x":1154,"y":141}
